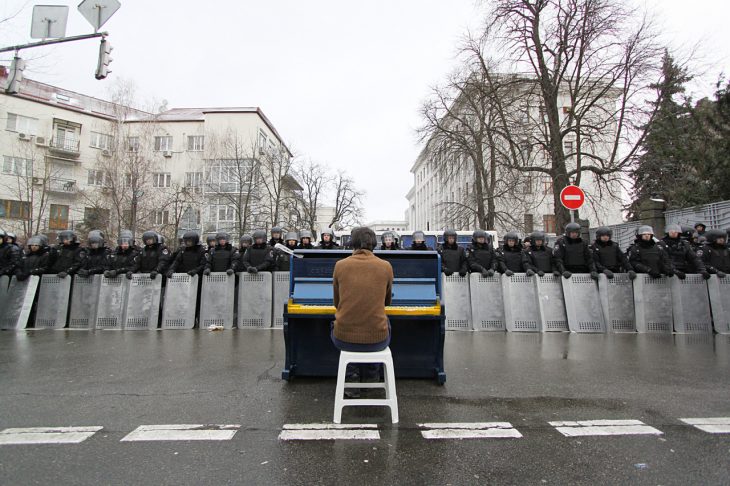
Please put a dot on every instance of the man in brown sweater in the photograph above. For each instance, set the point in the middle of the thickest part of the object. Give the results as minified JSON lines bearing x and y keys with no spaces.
{"x":362,"y":287}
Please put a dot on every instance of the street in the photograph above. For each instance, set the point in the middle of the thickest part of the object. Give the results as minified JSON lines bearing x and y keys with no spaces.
{"x":112,"y":383}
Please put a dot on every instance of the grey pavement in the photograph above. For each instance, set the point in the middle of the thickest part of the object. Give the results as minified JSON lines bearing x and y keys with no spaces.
{"x":121,"y":380}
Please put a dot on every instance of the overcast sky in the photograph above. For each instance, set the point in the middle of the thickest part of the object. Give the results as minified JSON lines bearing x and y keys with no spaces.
{"x":342,"y":81}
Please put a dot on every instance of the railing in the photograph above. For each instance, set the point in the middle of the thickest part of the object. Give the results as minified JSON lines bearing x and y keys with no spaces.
{"x":66,"y":145}
{"x":64,"y":186}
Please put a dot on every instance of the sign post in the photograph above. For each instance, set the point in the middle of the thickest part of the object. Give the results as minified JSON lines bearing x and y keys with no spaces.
{"x":573,"y":198}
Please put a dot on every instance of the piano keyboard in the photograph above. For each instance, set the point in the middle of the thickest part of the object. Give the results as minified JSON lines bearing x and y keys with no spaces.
{"x":391,"y":310}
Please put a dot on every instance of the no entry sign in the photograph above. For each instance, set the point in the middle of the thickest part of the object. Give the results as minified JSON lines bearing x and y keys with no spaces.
{"x":572,"y":197}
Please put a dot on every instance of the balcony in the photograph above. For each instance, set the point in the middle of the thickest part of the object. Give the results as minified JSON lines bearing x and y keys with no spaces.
{"x":68,"y":147}
{"x":62,"y":186}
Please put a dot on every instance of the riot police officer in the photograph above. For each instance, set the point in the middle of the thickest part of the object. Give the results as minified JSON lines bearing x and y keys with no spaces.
{"x":96,"y":256}
{"x":538,"y":257}
{"x":192,"y":259}
{"x":648,"y":257}
{"x":121,"y":260}
{"x":607,"y":255}
{"x":281,"y":258}
{"x":153,"y":258}
{"x":453,"y":257}
{"x":210,"y":242}
{"x":259,"y":257}
{"x":509,"y":257}
{"x":715,"y":254}
{"x":243,"y":244}
{"x":223,"y":257}
{"x":67,"y":257}
{"x":35,"y":260}
{"x":684,"y":259}
{"x":481,"y":256}
{"x":419,"y":242}
{"x":10,"y":254}
{"x":700,"y":229}
{"x":572,"y":254}
{"x":305,"y":240}
{"x":276,"y":236}
{"x":327,"y":240}
{"x":389,"y":242}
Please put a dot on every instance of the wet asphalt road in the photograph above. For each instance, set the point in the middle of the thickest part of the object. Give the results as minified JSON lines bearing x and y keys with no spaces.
{"x":121,"y":380}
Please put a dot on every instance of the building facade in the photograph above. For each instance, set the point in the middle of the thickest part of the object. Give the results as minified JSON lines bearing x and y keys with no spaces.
{"x":71,"y":161}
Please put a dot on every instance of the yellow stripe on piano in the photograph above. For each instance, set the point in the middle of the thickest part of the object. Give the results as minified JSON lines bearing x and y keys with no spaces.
{"x":389,"y":310}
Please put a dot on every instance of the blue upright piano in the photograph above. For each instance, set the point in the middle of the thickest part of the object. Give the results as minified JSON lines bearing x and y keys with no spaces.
{"x":416,"y":314}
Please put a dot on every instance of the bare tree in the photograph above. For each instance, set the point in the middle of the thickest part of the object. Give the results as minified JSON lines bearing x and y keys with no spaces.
{"x":593,"y":62}
{"x":314,"y":180}
{"x":347,"y":201}
{"x":275,"y":169}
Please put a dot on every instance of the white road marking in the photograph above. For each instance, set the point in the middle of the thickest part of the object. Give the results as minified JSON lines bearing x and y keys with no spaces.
{"x":47,"y":435}
{"x":329,"y":432}
{"x":712,"y":425}
{"x":181,"y":432}
{"x":604,"y":427}
{"x":466,"y":430}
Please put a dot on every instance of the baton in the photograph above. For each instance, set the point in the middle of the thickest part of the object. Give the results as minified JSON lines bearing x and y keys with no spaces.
{"x":288,"y":250}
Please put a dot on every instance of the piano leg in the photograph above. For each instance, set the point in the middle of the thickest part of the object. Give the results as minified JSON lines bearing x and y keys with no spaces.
{"x":287,"y":371}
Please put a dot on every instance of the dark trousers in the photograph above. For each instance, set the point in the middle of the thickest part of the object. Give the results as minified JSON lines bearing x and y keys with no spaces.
{"x":366,"y":372}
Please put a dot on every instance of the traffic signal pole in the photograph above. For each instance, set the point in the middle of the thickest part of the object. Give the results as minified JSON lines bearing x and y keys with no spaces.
{"x":53,"y":41}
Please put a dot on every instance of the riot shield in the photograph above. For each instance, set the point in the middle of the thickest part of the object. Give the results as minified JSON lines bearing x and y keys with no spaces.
{"x":691,"y":305}
{"x":487,"y":307}
{"x":142,"y":310}
{"x":19,"y":303}
{"x":551,"y":303}
{"x":617,"y":302}
{"x":216,"y":300}
{"x":281,"y":296}
{"x":720,"y":299}
{"x":181,"y":294}
{"x":583,"y":304}
{"x":84,"y":299}
{"x":53,"y":297}
{"x":456,"y":301}
{"x":653,"y":304}
{"x":254,"y":300}
{"x":520,"y":303}
{"x":112,"y":301}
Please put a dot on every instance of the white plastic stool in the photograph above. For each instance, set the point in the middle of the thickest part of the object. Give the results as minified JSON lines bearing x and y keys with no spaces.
{"x":378,"y":357}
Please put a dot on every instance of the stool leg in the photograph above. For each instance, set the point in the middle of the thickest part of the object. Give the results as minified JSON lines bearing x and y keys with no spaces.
{"x":390,"y":390}
{"x":340,"y":390}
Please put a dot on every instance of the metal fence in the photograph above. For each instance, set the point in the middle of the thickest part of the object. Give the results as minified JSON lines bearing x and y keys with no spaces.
{"x":715,"y":215}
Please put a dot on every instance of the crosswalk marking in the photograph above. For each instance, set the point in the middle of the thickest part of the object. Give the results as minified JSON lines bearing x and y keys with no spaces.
{"x":181,"y":432}
{"x":329,"y":432}
{"x":473,"y":430}
{"x":604,"y":427}
{"x":47,"y":435}
{"x":712,"y":425}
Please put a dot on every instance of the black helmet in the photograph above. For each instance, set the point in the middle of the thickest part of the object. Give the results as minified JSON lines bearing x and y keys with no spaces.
{"x":11,"y":236}
{"x":511,"y":235}
{"x":687,"y":232}
{"x":65,"y":235}
{"x":704,"y":227}
{"x":604,"y":231}
{"x":259,"y":235}
{"x":125,"y":236}
{"x":36,"y":240}
{"x":538,"y":235}
{"x":673,"y":227}
{"x":419,"y":236}
{"x":645,"y":230}
{"x":571,"y":227}
{"x":291,"y":236}
{"x":149,"y":235}
{"x":276,"y":229}
{"x":191,"y":236}
{"x":95,"y":242}
{"x":714,"y":234}
{"x":246,"y":238}
{"x":210,"y":238}
{"x":448,"y":233}
{"x":44,"y":240}
{"x":328,"y":231}
{"x":99,"y":233}
{"x":479,"y":234}
{"x":305,"y":234}
{"x":222,"y":235}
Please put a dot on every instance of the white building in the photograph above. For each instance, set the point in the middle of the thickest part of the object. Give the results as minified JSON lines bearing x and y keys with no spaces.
{"x":71,"y":161}
{"x":388,"y":225}
{"x":435,"y":198}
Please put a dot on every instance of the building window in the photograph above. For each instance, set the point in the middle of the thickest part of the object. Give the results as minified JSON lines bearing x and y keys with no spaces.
{"x":17,"y":166}
{"x":193,"y":179}
{"x":190,"y":218}
{"x":58,"y":217}
{"x":132,"y":144}
{"x":548,"y":186}
{"x":529,"y":223}
{"x":101,"y":141}
{"x":22,"y":124}
{"x":161,"y":179}
{"x":548,"y":222}
{"x":14,"y":209}
{"x":262,"y":141}
{"x":162,"y":217}
{"x":163,"y":144}
{"x":95,"y":177}
{"x":527,"y":185}
{"x":225,"y":175}
{"x":568,"y":149}
{"x":196,"y":143}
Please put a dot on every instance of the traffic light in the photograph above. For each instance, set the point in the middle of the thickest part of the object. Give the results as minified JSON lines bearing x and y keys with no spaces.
{"x":15,"y":76}
{"x":105,"y":49}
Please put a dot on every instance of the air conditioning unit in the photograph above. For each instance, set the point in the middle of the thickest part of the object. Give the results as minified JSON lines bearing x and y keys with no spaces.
{"x":262,"y":150}
{"x":106,"y":153}
{"x":24,"y":136}
{"x":41,"y":141}
{"x":167,"y":153}
{"x":37,"y":181}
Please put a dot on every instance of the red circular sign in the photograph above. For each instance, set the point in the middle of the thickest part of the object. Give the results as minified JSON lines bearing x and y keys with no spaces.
{"x":572,"y":197}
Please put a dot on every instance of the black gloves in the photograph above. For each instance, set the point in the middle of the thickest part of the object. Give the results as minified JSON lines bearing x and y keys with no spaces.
{"x":62,"y":275}
{"x":557,"y":273}
{"x":484,"y":272}
{"x":462,"y":274}
{"x":229,"y":271}
{"x":608,"y":273}
{"x":540,"y":273}
{"x":448,"y":273}
{"x":153,"y":275}
{"x":567,"y":274}
{"x":654,"y":274}
{"x":206,"y":271}
{"x":490,"y":273}
{"x":529,"y":273}
{"x":632,"y":275}
{"x":170,"y":273}
{"x":509,"y":273}
{"x":22,"y":276}
{"x":721,"y":274}
{"x":706,"y":275}
{"x":252,"y":270}
{"x":192,"y":272}
{"x":680,"y":275}
{"x":83,"y":272}
{"x":129,"y":275}
{"x":108,"y":273}
{"x":594,"y":275}
{"x":36,"y":271}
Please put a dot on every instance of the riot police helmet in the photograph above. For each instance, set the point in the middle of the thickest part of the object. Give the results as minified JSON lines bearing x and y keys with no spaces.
{"x":96,"y":242}
{"x":291,"y":236}
{"x":191,"y":238}
{"x":645,"y":230}
{"x":479,"y":234}
{"x":538,"y":236}
{"x":222,"y":236}
{"x":604,"y":231}
{"x":35,"y":240}
{"x":419,"y":236}
{"x":276,"y":230}
{"x":572,"y":228}
{"x":67,"y":235}
{"x":328,"y":231}
{"x":511,"y":235}
{"x":715,"y":234}
{"x":247,"y":239}
{"x":149,"y":238}
{"x":125,"y":236}
{"x":44,"y":240}
{"x":305,"y":234}
{"x":673,"y":228}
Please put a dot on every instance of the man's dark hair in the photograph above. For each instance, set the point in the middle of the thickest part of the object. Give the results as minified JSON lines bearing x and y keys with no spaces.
{"x":363,"y":238}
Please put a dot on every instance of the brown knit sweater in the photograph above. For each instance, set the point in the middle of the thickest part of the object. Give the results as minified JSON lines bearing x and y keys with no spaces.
{"x":362,"y":286}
